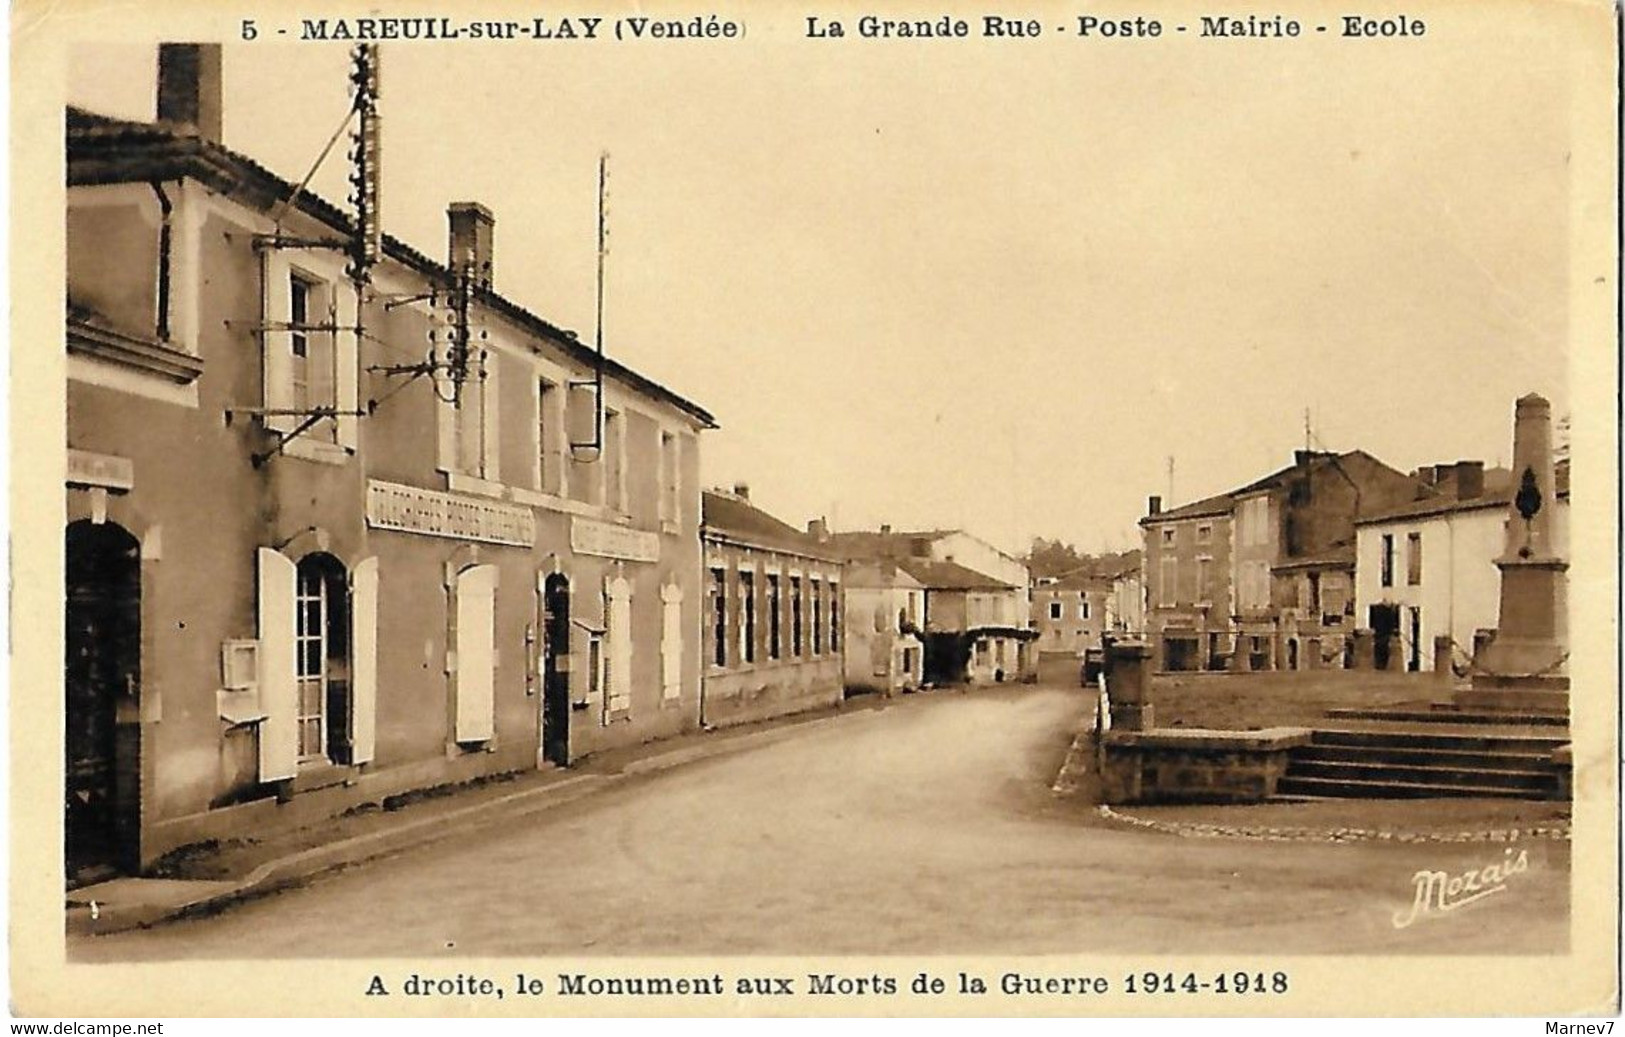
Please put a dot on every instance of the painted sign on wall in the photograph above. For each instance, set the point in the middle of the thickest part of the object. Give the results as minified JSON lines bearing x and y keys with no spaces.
{"x":609,"y":541}
{"x":412,"y":509}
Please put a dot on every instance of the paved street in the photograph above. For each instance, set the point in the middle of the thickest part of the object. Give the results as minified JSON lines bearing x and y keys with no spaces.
{"x":924,"y":827}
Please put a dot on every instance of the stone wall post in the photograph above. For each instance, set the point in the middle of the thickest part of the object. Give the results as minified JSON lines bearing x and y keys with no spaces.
{"x":1128,"y":682}
{"x":1365,"y":649}
{"x":1444,"y":658}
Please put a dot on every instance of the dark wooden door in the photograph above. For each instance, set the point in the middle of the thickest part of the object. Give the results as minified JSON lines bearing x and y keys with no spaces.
{"x":556,"y":670}
{"x":103,"y":665}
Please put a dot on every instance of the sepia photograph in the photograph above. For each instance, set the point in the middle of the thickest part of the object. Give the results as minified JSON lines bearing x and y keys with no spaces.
{"x":908,"y":510}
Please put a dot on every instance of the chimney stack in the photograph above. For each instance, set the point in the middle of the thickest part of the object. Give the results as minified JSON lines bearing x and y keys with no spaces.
{"x":1153,"y":505}
{"x":473,"y":230}
{"x":885,"y":529}
{"x":818,"y":529}
{"x":1469,"y":480}
{"x":742,"y":490}
{"x":189,"y":88}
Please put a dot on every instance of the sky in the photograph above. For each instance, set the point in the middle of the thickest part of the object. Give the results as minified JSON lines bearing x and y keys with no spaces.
{"x":996,"y":285}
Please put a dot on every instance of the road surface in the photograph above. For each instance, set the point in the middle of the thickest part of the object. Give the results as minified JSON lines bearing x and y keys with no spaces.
{"x":925,"y":827}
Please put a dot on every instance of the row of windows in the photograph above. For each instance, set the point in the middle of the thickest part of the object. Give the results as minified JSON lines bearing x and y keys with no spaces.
{"x":1057,"y":610}
{"x":308,"y":376}
{"x":814,"y":617}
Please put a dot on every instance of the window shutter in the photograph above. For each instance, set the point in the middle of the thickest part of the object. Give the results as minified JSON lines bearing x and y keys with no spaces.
{"x":364,"y":660}
{"x":275,"y":349}
{"x":476,"y":653}
{"x":445,"y":422}
{"x":278,"y":734}
{"x":618,"y":624}
{"x":490,"y":434}
{"x":671,"y":641}
{"x":347,"y":365}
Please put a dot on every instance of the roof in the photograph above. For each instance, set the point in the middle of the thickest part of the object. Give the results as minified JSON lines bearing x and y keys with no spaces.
{"x":1341,"y":558}
{"x":1499,"y":487}
{"x":1221,"y":504}
{"x":731,"y":517}
{"x":950,"y":576}
{"x":105,"y":150}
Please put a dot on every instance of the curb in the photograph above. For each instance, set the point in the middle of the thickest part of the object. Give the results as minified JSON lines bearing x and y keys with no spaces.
{"x":296,"y":867}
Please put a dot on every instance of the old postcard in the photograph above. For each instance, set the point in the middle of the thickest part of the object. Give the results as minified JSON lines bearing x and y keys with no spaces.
{"x":907,"y":509}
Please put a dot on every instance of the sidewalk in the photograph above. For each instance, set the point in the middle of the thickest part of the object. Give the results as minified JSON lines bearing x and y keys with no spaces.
{"x":209,"y":877}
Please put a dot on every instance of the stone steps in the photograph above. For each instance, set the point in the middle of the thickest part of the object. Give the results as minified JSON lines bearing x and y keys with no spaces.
{"x":1449,"y":714}
{"x":1341,"y":788}
{"x":1377,"y":761}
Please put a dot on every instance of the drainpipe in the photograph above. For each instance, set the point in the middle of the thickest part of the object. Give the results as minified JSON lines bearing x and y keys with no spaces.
{"x":165,"y":235}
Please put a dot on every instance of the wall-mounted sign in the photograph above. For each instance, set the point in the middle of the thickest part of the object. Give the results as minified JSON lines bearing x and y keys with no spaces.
{"x":412,"y":509}
{"x":103,"y":470}
{"x":588,"y":537}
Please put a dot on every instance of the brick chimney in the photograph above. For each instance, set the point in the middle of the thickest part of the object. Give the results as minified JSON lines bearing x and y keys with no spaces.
{"x":1153,"y":505}
{"x":189,"y":88}
{"x":885,"y":529}
{"x":742,"y":490}
{"x":818,"y":529}
{"x":1469,"y":480}
{"x":473,"y":230}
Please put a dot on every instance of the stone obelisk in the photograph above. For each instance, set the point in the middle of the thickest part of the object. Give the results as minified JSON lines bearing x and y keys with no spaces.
{"x":1526,"y":665}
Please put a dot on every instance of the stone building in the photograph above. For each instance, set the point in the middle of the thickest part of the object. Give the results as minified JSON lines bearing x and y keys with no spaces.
{"x":884,"y":608}
{"x":974,"y":621}
{"x":311,"y":562}
{"x":1238,"y":578}
{"x":774,"y":616}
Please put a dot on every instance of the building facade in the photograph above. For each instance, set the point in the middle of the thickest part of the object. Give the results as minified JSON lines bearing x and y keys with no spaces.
{"x":1426,"y":569}
{"x":1237,"y":579}
{"x":310,"y":562}
{"x":975,"y":622}
{"x":884,"y":608}
{"x":775,"y":626}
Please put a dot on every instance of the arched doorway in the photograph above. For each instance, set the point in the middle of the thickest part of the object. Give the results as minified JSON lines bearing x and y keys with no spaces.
{"x":556,"y":669}
{"x":322,"y":660}
{"x":103,"y":669}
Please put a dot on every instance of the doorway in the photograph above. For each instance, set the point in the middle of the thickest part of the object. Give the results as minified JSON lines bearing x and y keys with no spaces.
{"x":556,"y":669}
{"x":103,"y":671}
{"x":1384,"y":628}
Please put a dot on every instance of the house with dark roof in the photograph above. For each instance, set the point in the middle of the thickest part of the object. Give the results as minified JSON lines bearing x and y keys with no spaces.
{"x":774,"y":633}
{"x":1243,"y":578}
{"x":1426,"y":582}
{"x":975,"y":625}
{"x":342,"y":520}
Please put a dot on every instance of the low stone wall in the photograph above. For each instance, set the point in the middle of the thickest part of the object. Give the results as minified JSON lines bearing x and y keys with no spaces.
{"x":1194,"y":765}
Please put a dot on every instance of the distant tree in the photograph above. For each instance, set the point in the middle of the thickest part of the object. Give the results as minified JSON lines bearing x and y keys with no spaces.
{"x":1053,"y":557}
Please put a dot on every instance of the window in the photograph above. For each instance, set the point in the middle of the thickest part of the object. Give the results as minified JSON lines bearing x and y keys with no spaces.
{"x":719,"y":618}
{"x":1413,"y":559}
{"x":475,"y":420}
{"x":1167,"y":576}
{"x":670,"y":495}
{"x":747,"y":616}
{"x":671,"y":642}
{"x":322,"y":660}
{"x":1312,"y":589}
{"x":1204,"y":534}
{"x":834,"y":617}
{"x":1204,"y":579}
{"x":817,"y":618}
{"x":795,"y":616}
{"x":311,"y":607}
{"x":1055,"y":610}
{"x":311,"y":371}
{"x":775,"y":636}
{"x":1168,"y":536}
{"x":1387,"y":560}
{"x":1083,"y":610}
